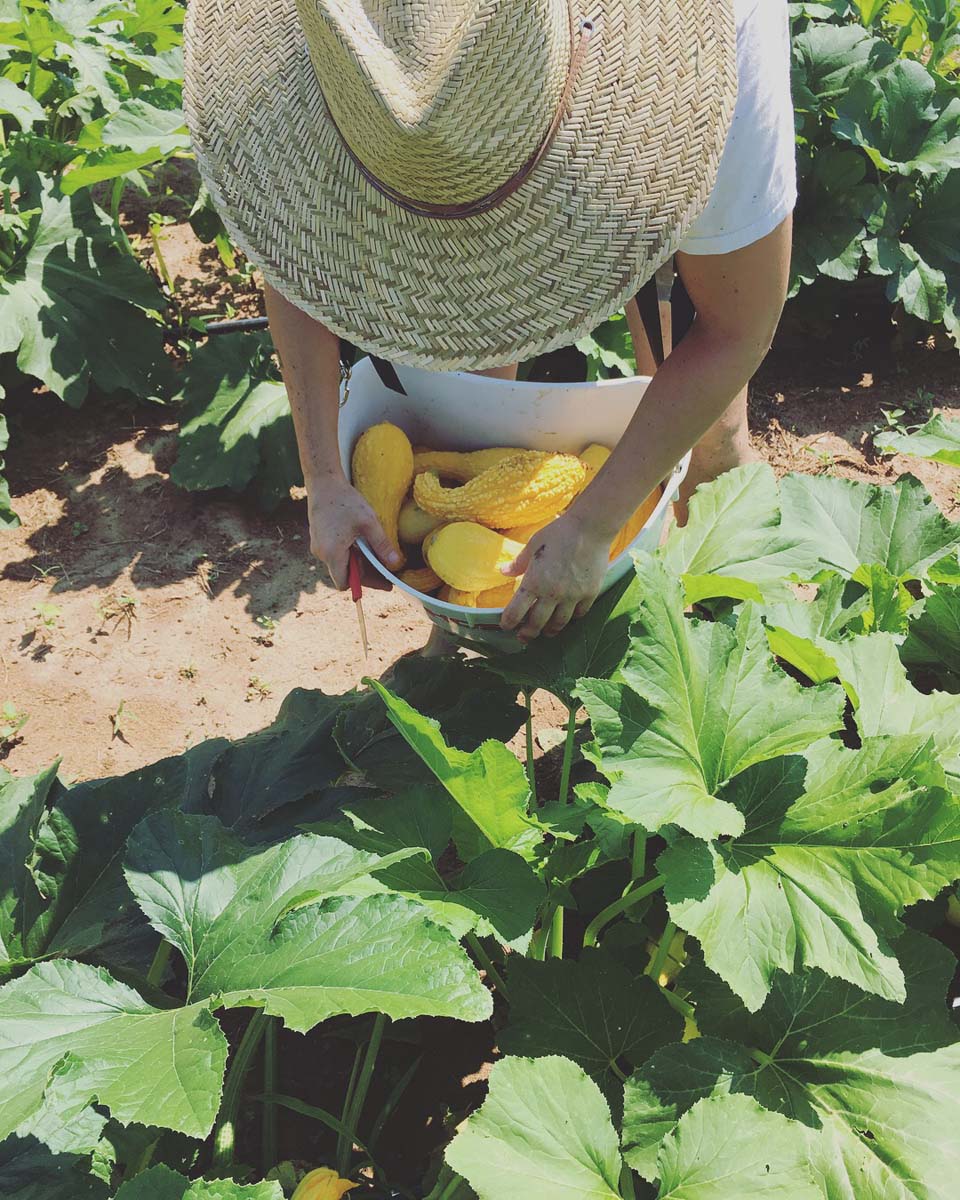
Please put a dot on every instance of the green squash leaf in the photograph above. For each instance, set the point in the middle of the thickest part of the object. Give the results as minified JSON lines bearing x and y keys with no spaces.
{"x":543,"y":1133}
{"x":735,"y":536}
{"x":160,"y":1183}
{"x":29,"y":1171}
{"x":236,"y":429}
{"x":74,"y":305}
{"x":933,"y":639}
{"x":264,"y":927}
{"x":874,"y":1083}
{"x":852,"y":523}
{"x":836,"y":844}
{"x":937,"y":441}
{"x":591,"y":1010}
{"x":885,"y":702}
{"x":729,"y":1146}
{"x":698,"y":704}
{"x":488,"y":785}
{"x":154,"y":1066}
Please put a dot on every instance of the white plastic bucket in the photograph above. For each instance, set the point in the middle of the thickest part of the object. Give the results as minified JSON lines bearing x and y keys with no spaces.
{"x":461,"y":411}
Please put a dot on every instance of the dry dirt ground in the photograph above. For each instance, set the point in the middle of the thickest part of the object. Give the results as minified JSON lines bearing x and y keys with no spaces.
{"x":137,"y":619}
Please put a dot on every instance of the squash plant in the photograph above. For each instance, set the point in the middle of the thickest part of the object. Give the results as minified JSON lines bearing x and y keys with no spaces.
{"x":753,"y":855}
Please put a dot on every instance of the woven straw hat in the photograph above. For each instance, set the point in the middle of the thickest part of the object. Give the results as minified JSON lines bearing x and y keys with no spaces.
{"x":455,"y":184}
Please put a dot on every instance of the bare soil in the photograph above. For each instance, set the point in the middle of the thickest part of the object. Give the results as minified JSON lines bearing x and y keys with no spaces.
{"x":179,"y":617}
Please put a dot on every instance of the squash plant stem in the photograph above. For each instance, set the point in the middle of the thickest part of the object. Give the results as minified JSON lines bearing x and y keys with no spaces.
{"x":485,"y":961}
{"x":271,"y":1086}
{"x":531,"y":775}
{"x":359,"y":1097}
{"x":606,"y":915}
{"x":627,"y":1190}
{"x":659,"y":959}
{"x":568,"y":755}
{"x":225,"y":1133}
{"x":554,"y":947}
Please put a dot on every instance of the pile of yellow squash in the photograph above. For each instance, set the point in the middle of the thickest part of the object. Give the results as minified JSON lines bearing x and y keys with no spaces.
{"x":457,"y":517}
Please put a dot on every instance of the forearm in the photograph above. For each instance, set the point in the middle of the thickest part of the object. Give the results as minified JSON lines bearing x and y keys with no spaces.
{"x":310,"y":361}
{"x":738,"y":298}
{"x":686,"y":396}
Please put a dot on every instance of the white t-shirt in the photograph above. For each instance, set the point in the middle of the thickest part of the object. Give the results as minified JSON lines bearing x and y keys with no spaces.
{"x":756,"y":185}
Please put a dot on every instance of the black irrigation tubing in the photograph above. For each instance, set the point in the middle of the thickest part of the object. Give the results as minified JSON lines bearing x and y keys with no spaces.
{"x":240,"y":325}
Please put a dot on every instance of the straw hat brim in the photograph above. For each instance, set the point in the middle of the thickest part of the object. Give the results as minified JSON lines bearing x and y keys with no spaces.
{"x":628,"y":172}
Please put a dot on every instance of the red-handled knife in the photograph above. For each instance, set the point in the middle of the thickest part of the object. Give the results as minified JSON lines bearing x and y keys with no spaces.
{"x":356,"y":591}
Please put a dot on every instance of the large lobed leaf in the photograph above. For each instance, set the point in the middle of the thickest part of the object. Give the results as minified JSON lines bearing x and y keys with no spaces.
{"x":71,"y":1023}
{"x":236,"y":429}
{"x":938,"y":440}
{"x":875,"y":1084}
{"x":265,"y":927}
{"x":699,"y":703}
{"x":74,"y":305}
{"x":160,"y":1183}
{"x":836,"y":844}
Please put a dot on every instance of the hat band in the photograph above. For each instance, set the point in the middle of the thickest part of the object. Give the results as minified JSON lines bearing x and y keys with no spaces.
{"x":485,"y":203}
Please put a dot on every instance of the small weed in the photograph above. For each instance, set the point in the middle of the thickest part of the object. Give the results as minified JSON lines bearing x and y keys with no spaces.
{"x":48,"y":616}
{"x":823,"y":457}
{"x":258,"y":689}
{"x":188,"y":672}
{"x":79,"y":528}
{"x":269,"y":627}
{"x":121,"y":610}
{"x":11,"y":722}
{"x":119,"y":721}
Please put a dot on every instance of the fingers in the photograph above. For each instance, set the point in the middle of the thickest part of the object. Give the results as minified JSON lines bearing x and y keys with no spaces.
{"x":519,"y":564}
{"x":517,"y":609}
{"x":379,"y":543}
{"x":337,"y":561}
{"x":560,"y":619}
{"x":583,"y":608}
{"x":536,"y":620}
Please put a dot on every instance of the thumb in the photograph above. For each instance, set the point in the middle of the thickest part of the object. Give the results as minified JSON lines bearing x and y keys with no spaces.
{"x":380,"y":544}
{"x":519,"y":564}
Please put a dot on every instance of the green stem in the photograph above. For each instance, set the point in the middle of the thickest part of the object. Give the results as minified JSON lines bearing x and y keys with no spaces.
{"x":683,"y":1007}
{"x":627,"y":1189}
{"x":115,"y":198}
{"x":345,"y":1149}
{"x":538,"y":943}
{"x":486,"y":962}
{"x":140,"y":1162}
{"x":606,"y":915}
{"x":568,"y":755}
{"x":271,"y":1085}
{"x":531,"y":773}
{"x":655,"y":967}
{"x":161,"y":261}
{"x":159,"y":964}
{"x":638,"y":858}
{"x":554,"y":948}
{"x":225,"y":1134}
{"x":32,"y":77}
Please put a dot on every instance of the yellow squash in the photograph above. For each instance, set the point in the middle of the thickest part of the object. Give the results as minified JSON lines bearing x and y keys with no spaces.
{"x":382,"y":472}
{"x":462,"y":465}
{"x":594,"y":457}
{"x":414,"y":524}
{"x":421,"y":579}
{"x":531,"y":486}
{"x":323,"y":1184}
{"x":632,"y":528}
{"x":468,"y":556}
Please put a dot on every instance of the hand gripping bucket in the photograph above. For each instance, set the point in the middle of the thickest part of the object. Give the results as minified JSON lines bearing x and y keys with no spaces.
{"x":461,"y":411}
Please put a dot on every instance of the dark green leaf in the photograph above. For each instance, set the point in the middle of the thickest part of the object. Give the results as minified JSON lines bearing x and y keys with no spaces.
{"x":933,"y":640}
{"x":593,"y":1011}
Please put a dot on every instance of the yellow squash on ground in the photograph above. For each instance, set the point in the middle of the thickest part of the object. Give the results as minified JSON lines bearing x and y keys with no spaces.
{"x":468,"y":556}
{"x":421,"y":579}
{"x":382,"y":472}
{"x":462,"y":465}
{"x":531,"y":486}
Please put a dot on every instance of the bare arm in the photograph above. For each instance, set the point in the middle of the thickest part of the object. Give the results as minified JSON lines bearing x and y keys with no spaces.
{"x":739,"y":298}
{"x":310,"y":359}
